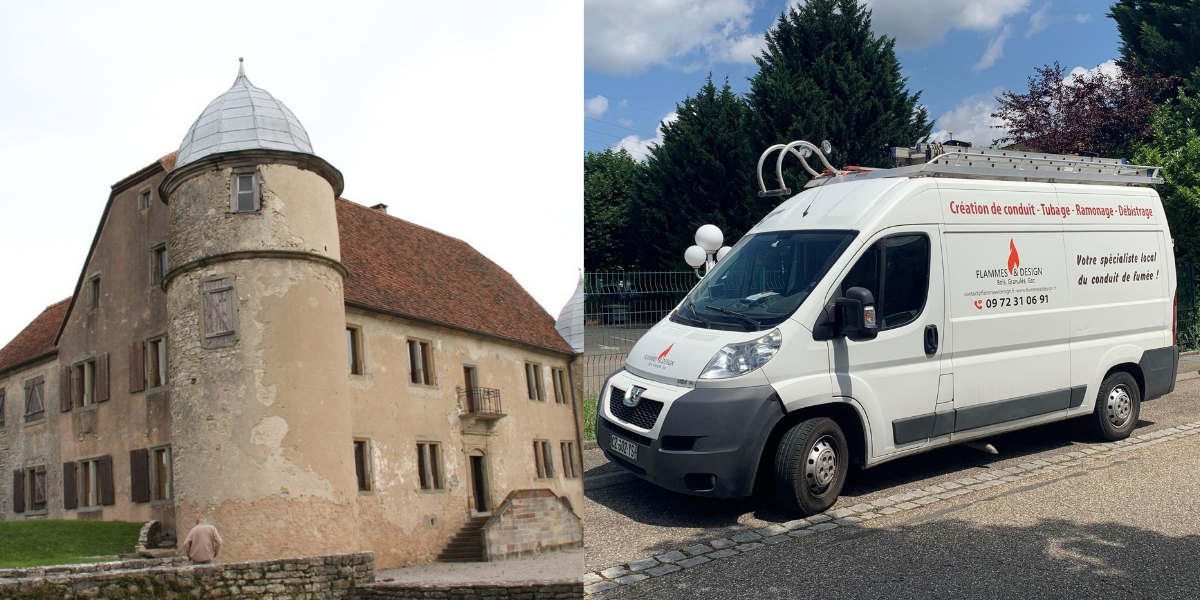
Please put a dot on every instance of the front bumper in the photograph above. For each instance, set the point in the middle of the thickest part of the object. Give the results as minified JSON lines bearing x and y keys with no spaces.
{"x":709,"y":440}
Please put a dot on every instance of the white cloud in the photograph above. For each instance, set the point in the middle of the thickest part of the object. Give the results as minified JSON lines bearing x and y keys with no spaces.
{"x":623,"y":122}
{"x":972,"y":120}
{"x":622,"y":37}
{"x":995,"y":50}
{"x":919,"y":23}
{"x":1039,"y":21}
{"x":1082,"y":18}
{"x":1108,"y":68}
{"x":640,"y":148}
{"x":595,"y":107}
{"x":83,"y":96}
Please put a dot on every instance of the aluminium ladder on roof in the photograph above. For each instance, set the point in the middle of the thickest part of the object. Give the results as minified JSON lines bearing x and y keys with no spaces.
{"x":978,"y":163}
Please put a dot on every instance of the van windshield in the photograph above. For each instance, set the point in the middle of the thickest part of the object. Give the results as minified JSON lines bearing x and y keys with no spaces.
{"x":763,"y":279}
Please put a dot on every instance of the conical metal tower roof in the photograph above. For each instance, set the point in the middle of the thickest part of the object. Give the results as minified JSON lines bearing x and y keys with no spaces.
{"x":243,"y":118}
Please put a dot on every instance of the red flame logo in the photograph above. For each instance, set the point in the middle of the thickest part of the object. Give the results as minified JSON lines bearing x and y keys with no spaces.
{"x":1014,"y":260}
{"x":664,"y":353}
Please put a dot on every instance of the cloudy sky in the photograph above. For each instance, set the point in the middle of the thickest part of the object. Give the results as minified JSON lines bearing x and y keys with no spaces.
{"x":642,"y":57}
{"x":452,"y":113}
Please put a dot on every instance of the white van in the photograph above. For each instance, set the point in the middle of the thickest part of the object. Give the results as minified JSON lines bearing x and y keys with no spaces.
{"x":882,"y":314}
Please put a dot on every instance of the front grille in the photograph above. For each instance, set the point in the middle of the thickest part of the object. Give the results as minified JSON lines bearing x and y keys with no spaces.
{"x":632,"y":436}
{"x":644,"y":415}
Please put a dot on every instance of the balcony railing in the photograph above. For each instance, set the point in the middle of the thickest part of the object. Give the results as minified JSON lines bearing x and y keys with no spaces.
{"x":480,"y":401}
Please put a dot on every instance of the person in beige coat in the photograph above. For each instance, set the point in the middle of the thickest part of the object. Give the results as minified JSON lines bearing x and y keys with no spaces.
{"x":202,"y":544}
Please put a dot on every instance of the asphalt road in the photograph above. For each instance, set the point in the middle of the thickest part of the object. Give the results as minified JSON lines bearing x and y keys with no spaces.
{"x":1110,"y":530}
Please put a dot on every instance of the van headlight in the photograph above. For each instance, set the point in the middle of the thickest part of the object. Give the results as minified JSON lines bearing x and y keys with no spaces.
{"x":739,"y":359}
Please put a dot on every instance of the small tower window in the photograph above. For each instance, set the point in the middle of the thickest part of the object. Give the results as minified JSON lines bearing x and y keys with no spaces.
{"x":245,"y":192}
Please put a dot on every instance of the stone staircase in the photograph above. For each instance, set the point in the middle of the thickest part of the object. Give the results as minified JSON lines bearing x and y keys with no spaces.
{"x":467,"y":544}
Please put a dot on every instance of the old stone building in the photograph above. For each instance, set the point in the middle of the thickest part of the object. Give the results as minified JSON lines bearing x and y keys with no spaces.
{"x":313,"y":375}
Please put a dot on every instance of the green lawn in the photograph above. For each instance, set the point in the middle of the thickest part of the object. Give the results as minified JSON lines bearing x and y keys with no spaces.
{"x":589,"y":418}
{"x":38,"y":543}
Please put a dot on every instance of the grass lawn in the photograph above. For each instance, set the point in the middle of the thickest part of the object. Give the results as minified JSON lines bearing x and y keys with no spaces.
{"x":38,"y":542}
{"x":589,"y":418}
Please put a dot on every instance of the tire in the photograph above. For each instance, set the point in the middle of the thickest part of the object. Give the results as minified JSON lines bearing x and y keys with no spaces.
{"x":810,"y":466}
{"x":1118,"y":405}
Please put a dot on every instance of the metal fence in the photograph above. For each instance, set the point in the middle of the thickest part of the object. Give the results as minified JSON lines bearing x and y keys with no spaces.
{"x":1187,"y":325}
{"x":619,"y":307}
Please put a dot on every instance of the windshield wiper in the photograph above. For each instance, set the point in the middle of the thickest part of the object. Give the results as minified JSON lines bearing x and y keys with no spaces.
{"x":692,"y":305}
{"x":757,"y":326}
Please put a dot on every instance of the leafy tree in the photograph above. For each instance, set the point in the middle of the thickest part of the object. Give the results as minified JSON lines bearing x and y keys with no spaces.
{"x":702,"y":172}
{"x":609,"y":180}
{"x":1175,"y":146}
{"x":1158,"y":38}
{"x":1093,"y":111}
{"x":825,"y":76}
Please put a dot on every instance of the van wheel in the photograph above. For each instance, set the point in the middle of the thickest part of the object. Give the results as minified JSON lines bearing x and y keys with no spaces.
{"x":1117,"y":407}
{"x":810,"y":466}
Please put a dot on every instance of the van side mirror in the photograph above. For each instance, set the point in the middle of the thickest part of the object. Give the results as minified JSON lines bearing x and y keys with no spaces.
{"x":855,"y":317}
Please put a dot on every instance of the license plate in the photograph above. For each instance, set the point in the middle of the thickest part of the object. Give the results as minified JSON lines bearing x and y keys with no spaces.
{"x":625,"y":448}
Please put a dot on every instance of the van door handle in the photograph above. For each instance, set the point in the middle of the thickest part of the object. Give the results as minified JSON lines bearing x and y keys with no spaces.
{"x":931,"y":340}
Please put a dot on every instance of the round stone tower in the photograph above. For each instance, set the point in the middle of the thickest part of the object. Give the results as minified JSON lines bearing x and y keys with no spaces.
{"x":261,"y":441}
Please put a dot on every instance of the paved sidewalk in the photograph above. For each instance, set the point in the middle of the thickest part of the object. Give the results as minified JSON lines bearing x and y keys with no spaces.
{"x":552,"y":567}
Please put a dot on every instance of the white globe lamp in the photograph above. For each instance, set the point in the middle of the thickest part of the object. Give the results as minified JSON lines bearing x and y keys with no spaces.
{"x":695,"y":256}
{"x":722,"y":252}
{"x":709,"y":237}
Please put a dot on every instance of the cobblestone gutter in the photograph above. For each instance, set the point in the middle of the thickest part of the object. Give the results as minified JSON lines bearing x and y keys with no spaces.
{"x":537,"y":590}
{"x":753,"y":539}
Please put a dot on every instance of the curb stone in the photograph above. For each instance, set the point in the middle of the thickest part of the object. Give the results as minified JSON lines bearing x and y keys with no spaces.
{"x":748,"y":540}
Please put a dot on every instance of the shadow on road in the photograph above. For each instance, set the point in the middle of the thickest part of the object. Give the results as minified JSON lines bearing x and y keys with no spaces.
{"x":1053,"y":558}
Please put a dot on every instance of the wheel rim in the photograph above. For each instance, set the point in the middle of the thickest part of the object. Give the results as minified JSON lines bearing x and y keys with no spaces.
{"x":1119,"y":408}
{"x":820,"y":467}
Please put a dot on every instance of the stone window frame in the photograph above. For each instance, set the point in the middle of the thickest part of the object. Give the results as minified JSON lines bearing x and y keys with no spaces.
{"x":87,"y":394}
{"x":37,"y":383}
{"x":32,"y":473}
{"x":145,"y":199}
{"x":225,"y":340}
{"x":429,"y":378}
{"x":356,"y":346}
{"x":151,"y":357}
{"x":256,"y":184}
{"x":535,"y":386}
{"x":158,"y":264}
{"x":153,"y":450}
{"x":366,"y":486}
{"x":562,"y":389}
{"x":94,"y":292}
{"x":543,"y":459}
{"x":434,"y":469}
{"x":93,"y":479}
{"x":571,"y":459}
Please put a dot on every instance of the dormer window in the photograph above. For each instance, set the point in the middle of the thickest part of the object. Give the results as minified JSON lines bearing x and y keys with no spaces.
{"x":245,"y":192}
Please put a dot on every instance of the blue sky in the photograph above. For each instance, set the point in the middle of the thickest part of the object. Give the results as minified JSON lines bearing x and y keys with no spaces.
{"x":644,"y":57}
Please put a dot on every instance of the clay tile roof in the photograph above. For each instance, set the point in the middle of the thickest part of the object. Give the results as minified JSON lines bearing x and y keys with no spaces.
{"x":405,"y":269}
{"x":168,"y":161}
{"x":37,"y":339}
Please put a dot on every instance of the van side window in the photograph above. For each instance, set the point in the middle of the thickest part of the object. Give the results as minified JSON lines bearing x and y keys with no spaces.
{"x":901,"y":290}
{"x":905,"y":280}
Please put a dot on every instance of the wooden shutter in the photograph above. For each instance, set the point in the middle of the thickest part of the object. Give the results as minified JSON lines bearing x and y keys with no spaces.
{"x":18,"y":494}
{"x":64,"y":390}
{"x":102,"y":377}
{"x":70,"y":494}
{"x":76,"y":387}
{"x":137,"y":367}
{"x":104,"y":477}
{"x":2,"y":407}
{"x":28,"y":399}
{"x":139,"y":474}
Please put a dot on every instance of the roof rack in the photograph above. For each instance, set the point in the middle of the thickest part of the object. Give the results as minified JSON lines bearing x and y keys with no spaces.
{"x":972,"y":163}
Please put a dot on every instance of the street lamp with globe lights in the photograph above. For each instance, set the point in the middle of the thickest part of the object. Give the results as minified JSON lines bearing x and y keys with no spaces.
{"x":708,"y":249}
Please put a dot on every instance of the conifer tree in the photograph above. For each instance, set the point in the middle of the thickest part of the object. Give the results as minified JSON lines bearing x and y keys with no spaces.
{"x":702,"y":172}
{"x":1158,"y":38}
{"x":825,"y":76}
{"x":609,"y":184}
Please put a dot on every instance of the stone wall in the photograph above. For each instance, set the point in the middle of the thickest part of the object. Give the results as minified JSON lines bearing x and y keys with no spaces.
{"x":531,"y":522}
{"x":315,"y":577}
{"x":499,"y":591}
